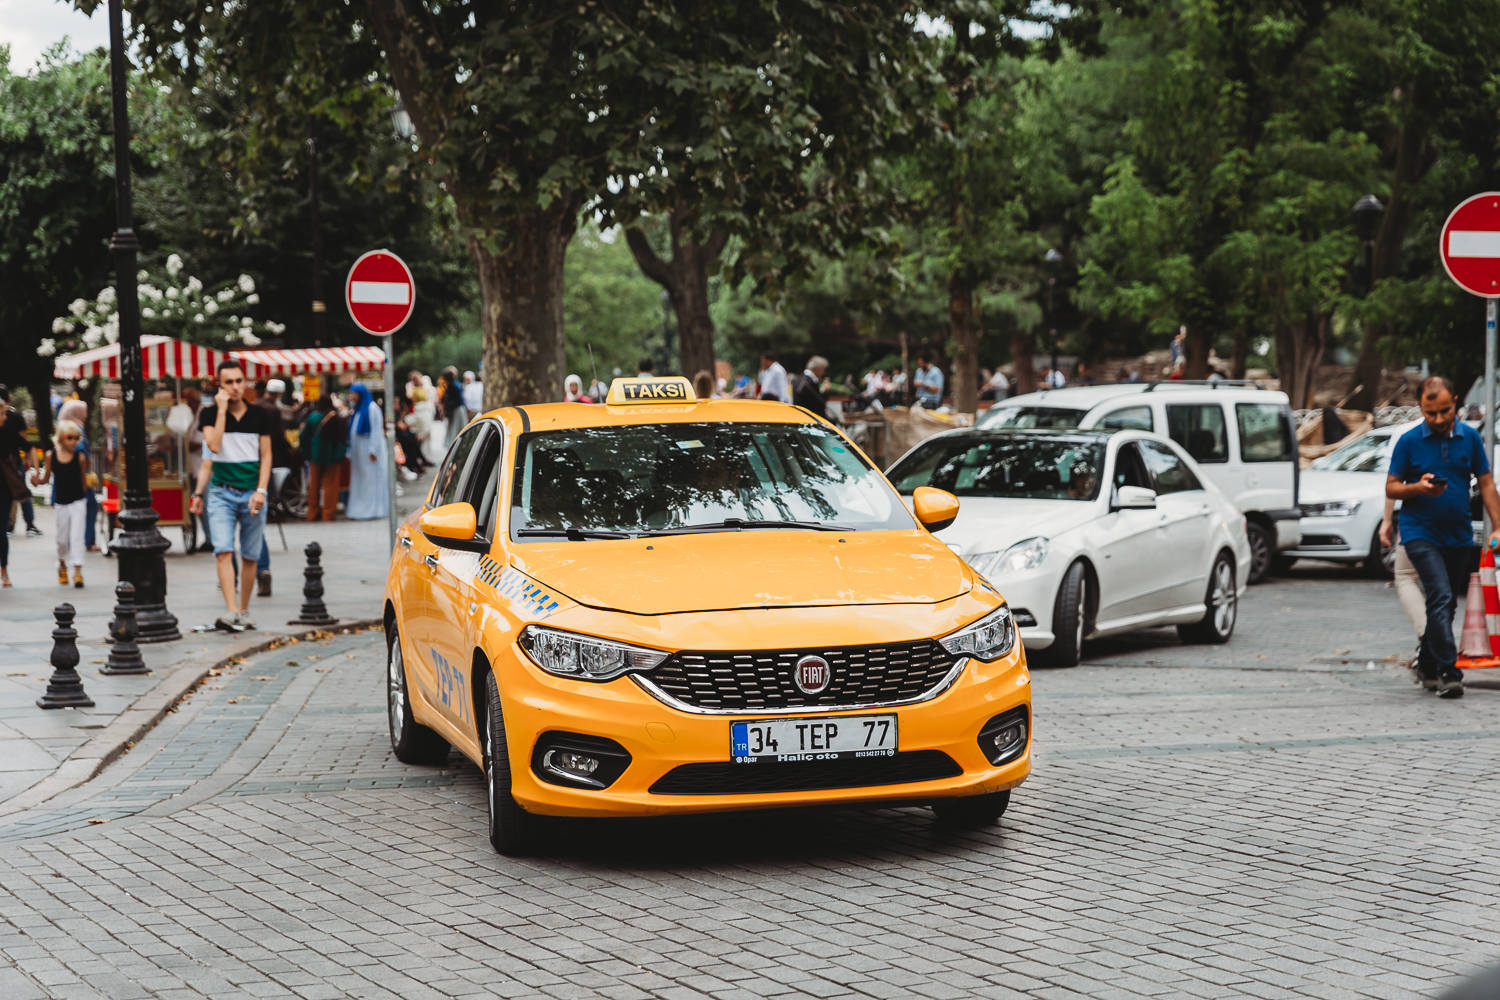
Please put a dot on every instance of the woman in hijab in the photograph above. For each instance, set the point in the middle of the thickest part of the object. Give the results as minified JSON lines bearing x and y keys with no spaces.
{"x":573,"y":390}
{"x":369,"y":476}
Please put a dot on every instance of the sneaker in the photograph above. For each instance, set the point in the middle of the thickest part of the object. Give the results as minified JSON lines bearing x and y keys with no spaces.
{"x":243,"y":619}
{"x":263,"y":583}
{"x":1429,"y":677}
{"x":62,"y":572}
{"x":228,"y":623}
{"x":32,"y":531}
{"x":78,"y":577}
{"x":1450,"y":683}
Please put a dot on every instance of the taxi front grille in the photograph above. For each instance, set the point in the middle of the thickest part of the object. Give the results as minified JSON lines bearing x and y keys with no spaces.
{"x":761,"y":680}
{"x":725,"y":778}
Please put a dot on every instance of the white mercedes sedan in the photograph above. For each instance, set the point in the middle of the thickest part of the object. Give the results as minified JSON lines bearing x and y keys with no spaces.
{"x":1088,"y":533}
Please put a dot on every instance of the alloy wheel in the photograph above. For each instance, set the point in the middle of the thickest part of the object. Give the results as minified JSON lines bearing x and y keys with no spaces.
{"x":1223,"y":598}
{"x":395,"y":690}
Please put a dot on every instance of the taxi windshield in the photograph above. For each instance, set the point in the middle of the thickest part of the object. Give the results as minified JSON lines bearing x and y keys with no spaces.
{"x":643,"y":479}
{"x":1001,"y":465}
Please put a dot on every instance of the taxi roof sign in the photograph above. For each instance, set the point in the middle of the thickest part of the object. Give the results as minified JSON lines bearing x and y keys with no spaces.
{"x":670,"y":389}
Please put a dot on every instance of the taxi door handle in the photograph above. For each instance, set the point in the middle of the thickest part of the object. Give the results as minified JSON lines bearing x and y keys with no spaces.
{"x":404,"y":540}
{"x":431,"y":561}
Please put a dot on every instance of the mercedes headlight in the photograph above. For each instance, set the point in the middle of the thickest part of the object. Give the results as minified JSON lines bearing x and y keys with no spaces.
{"x":990,"y":638}
{"x":1333,"y":508}
{"x":1019,"y":557}
{"x":568,"y":654}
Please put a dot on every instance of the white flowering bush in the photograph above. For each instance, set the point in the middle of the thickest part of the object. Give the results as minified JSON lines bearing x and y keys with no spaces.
{"x":170,"y":307}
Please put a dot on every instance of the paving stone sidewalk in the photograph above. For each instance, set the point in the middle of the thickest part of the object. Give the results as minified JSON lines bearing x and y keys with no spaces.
{"x":1298,"y":830}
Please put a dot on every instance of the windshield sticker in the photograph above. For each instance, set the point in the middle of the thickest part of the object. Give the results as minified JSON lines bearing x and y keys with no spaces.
{"x":689,"y":445}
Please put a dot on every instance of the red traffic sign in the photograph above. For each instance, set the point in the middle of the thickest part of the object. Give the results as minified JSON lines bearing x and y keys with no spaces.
{"x":380,"y":293}
{"x":1471,"y":245}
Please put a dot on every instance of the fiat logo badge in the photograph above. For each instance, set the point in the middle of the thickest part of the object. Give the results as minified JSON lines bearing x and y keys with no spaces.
{"x":812,"y":674}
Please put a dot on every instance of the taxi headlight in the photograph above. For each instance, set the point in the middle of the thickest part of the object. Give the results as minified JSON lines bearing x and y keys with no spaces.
{"x":990,"y":638}
{"x":1020,"y":557}
{"x":568,"y":654}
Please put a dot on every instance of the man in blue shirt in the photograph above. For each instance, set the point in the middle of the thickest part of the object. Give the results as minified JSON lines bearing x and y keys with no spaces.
{"x":1429,"y":473}
{"x":928,"y":380}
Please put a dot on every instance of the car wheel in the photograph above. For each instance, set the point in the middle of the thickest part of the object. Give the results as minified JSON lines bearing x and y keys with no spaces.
{"x":513,"y":830}
{"x":1262,"y":551}
{"x":1223,"y":602}
{"x":1069,"y":617}
{"x":411,"y":742}
{"x":972,"y":810}
{"x":1381,"y":562}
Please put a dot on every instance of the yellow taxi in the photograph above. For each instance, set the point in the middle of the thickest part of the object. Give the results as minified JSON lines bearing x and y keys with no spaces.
{"x":663,"y":604}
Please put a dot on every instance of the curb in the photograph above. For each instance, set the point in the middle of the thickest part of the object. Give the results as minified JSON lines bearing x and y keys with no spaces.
{"x":85,"y":763}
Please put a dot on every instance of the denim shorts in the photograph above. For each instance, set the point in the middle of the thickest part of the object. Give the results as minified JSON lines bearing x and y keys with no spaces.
{"x":227,"y":507}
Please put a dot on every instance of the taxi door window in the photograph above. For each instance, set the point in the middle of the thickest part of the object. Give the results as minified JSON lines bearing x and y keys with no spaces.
{"x":1200,"y":430}
{"x":1265,"y":432}
{"x":451,"y":479}
{"x":484,"y":485}
{"x":1132,"y":418}
{"x":1169,"y":473}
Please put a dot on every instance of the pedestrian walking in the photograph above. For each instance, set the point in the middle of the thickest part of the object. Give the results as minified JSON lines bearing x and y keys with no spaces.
{"x":1430,"y":470}
{"x":237,"y":437}
{"x":473,"y":394}
{"x":773,"y":381}
{"x":451,"y":401}
{"x":808,"y":392}
{"x":66,"y":465}
{"x":369,"y":478}
{"x":645,"y":367}
{"x":14,"y":456}
{"x":573,"y":391}
{"x":327,"y":441}
{"x":928,"y":381}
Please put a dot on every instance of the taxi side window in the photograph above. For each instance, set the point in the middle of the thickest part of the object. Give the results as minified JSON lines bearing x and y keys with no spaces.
{"x":451,"y":479}
{"x":1168,"y":472}
{"x":484,"y":485}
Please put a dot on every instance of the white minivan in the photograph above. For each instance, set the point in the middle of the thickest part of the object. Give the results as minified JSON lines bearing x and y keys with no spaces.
{"x":1242,"y":437}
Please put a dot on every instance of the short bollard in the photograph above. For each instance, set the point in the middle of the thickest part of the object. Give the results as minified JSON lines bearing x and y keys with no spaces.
{"x":314,"y":611}
{"x":124,"y":654}
{"x":64,"y":689}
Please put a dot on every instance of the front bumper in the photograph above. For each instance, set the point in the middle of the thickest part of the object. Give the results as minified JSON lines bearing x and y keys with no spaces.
{"x":660,"y":738}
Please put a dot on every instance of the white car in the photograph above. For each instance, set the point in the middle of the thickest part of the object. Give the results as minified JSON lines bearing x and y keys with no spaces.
{"x":1240,"y":435}
{"x":1089,"y":533}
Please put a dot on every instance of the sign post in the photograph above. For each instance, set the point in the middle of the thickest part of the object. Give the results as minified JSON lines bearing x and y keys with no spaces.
{"x":1470,"y":248}
{"x":380,"y":294}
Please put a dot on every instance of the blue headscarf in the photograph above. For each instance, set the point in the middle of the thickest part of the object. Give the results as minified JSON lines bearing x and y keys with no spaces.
{"x":362,"y":403}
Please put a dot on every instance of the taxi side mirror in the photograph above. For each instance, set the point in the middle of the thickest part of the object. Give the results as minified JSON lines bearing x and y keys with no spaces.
{"x":1134,"y":498}
{"x":936,"y":509}
{"x":453,"y":526}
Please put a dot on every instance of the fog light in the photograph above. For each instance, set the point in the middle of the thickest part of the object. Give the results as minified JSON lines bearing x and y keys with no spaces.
{"x":578,"y":761}
{"x":1003,"y":738}
{"x":569,"y":763}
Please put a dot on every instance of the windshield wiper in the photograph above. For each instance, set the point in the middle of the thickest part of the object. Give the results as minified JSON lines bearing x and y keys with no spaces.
{"x":571,"y":534}
{"x":736,"y":524}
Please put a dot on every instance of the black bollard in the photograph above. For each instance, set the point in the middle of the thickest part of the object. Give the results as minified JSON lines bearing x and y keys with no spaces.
{"x":124,"y":654}
{"x":314,"y":611}
{"x":64,"y":689}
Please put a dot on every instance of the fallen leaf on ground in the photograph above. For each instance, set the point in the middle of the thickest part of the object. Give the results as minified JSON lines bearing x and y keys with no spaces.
{"x":98,"y":821}
{"x":324,"y":670}
{"x":293,"y":663}
{"x":262,"y":678}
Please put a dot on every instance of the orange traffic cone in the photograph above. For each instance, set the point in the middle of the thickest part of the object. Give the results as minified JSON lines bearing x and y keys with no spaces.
{"x":1491,"y":598}
{"x":1476,"y":640}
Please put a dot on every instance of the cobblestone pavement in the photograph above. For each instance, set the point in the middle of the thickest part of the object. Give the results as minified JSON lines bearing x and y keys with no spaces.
{"x":1277,"y":827}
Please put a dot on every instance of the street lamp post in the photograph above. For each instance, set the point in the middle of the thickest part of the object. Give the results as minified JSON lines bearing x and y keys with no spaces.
{"x":140,"y":547}
{"x":1367,"y":212}
{"x":1053,"y":259}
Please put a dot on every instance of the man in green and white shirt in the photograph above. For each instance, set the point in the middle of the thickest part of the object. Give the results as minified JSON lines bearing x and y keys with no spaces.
{"x":237,"y":437}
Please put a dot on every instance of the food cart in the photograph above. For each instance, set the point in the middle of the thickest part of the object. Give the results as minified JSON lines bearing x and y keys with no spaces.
{"x":162,"y":358}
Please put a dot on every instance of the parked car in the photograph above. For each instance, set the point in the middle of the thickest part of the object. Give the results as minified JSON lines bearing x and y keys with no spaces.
{"x":1088,"y":533}
{"x":1243,"y":438}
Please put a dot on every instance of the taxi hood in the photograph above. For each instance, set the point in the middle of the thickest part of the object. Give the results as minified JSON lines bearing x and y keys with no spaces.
{"x":760,"y":568}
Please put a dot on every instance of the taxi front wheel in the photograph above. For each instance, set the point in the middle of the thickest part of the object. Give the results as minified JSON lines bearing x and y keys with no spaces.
{"x":972,"y":810}
{"x":411,"y":742}
{"x":513,"y":830}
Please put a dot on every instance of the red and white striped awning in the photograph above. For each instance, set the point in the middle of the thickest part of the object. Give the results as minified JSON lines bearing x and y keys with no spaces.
{"x":161,"y":357}
{"x":311,"y":360}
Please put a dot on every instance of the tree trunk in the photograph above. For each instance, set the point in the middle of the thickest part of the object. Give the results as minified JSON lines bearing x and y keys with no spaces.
{"x":1240,"y":353}
{"x":965,"y":337}
{"x":685,"y":278}
{"x":1386,"y":261}
{"x":1023,"y":376}
{"x":41,"y":399}
{"x":1197,"y":353}
{"x":1303,"y":341}
{"x":521,"y":308}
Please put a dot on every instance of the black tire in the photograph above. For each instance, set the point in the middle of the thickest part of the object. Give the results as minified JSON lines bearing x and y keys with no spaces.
{"x":1217,"y":624}
{"x":1381,"y":562}
{"x":972,"y":810}
{"x":411,"y":742}
{"x":1069,"y":620}
{"x":1281,"y":565}
{"x":1262,"y":551}
{"x":513,"y":830}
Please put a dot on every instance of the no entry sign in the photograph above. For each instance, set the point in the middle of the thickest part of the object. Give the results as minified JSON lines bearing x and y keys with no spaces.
{"x":1471,"y":245}
{"x":380,"y":293}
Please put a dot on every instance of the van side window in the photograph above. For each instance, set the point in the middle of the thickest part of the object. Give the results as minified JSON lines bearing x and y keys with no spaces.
{"x":1168,"y":473}
{"x":1132,"y":418}
{"x":1200,"y":429}
{"x":1265,"y":432}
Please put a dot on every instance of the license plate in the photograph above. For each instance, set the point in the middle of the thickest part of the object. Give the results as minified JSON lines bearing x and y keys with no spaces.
{"x":840,"y":737}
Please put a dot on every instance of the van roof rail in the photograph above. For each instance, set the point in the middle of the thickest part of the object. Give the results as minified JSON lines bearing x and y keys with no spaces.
{"x":1214,"y":384}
